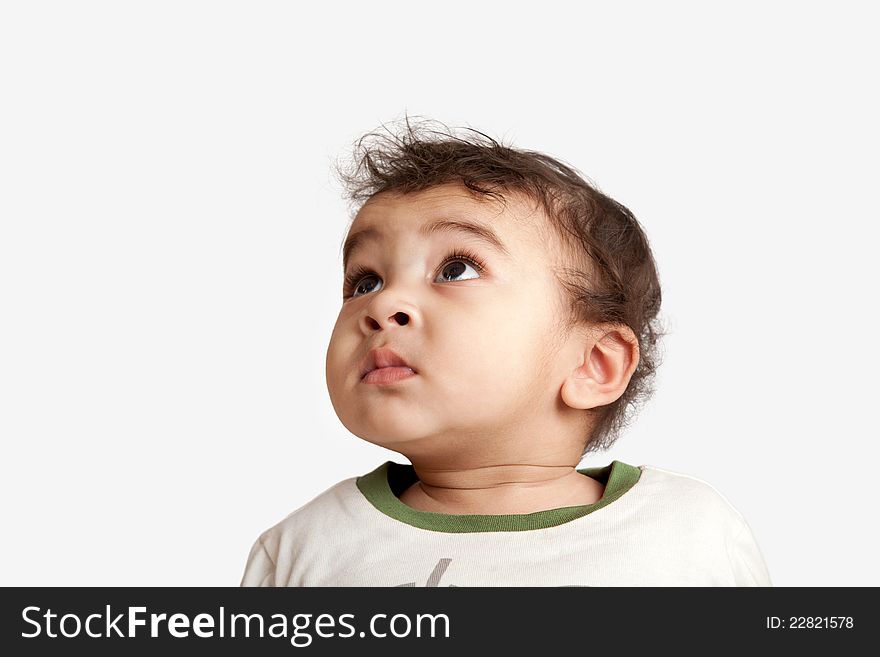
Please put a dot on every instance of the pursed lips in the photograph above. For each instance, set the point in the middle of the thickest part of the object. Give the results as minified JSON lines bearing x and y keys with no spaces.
{"x":382,"y":357}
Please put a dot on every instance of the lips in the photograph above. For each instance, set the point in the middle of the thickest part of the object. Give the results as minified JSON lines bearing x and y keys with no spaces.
{"x":382,"y":357}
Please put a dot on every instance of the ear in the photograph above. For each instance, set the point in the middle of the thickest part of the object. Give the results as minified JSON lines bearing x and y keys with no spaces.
{"x":607,"y":357}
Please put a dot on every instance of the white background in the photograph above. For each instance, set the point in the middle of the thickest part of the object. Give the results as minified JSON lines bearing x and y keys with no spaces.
{"x":170,"y":265}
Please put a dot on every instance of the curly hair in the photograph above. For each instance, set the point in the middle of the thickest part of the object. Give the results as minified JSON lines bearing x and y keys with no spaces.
{"x":614,"y":278}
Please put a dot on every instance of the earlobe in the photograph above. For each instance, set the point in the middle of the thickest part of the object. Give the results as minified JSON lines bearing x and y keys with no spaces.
{"x":606,"y":368}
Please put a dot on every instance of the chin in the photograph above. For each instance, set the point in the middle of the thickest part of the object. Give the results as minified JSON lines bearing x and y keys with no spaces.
{"x":389,"y":435}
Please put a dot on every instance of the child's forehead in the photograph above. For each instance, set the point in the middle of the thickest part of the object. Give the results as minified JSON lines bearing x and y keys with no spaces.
{"x":513,"y":227}
{"x":395,"y":212}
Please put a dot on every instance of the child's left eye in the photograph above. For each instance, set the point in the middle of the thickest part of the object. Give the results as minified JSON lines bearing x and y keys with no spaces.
{"x":459,"y":265}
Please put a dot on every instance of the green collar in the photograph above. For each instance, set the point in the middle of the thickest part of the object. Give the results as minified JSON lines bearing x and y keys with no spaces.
{"x":382,"y":486}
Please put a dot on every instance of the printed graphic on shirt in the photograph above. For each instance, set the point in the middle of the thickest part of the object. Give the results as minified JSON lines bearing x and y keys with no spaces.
{"x":436,"y":574}
{"x":440,"y":568}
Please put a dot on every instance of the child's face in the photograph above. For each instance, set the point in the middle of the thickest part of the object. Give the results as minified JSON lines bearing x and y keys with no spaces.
{"x":481,"y":342}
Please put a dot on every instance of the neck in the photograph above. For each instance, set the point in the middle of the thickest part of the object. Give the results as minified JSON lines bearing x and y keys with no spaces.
{"x":500,"y":489}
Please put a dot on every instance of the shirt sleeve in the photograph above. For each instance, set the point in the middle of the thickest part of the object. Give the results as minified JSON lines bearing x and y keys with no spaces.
{"x":260,"y":569}
{"x":746,"y":560}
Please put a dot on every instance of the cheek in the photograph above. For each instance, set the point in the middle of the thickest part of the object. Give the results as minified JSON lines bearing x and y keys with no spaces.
{"x":506,"y":357}
{"x":337,"y":362}
{"x":512,"y":353}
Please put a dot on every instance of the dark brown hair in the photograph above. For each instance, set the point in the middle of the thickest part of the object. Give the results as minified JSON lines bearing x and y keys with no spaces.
{"x":614,"y":277}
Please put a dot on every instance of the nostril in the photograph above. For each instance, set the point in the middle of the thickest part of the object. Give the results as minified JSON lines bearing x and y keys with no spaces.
{"x":401,"y":318}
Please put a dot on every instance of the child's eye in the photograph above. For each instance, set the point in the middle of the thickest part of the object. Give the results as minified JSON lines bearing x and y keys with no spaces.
{"x":455,"y":265}
{"x":360,"y":284}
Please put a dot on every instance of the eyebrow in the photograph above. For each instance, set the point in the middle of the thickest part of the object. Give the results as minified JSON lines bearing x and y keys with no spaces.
{"x":483,"y":233}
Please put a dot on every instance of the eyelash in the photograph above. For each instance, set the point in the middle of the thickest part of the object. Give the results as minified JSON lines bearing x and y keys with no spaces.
{"x":359,"y":272}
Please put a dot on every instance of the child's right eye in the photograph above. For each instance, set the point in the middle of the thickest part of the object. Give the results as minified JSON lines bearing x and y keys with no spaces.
{"x":358,"y":277}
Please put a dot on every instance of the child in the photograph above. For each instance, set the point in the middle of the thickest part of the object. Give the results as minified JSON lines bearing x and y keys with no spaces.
{"x":498,"y":323}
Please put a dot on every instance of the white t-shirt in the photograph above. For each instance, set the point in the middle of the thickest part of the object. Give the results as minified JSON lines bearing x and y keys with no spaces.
{"x":651,"y":527}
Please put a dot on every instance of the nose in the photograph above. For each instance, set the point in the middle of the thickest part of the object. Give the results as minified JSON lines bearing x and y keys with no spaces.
{"x":400,"y":317}
{"x":388,"y":308}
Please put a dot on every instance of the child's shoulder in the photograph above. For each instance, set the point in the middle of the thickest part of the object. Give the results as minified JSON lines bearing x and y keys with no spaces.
{"x":684,"y":491}
{"x":321,"y":513}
